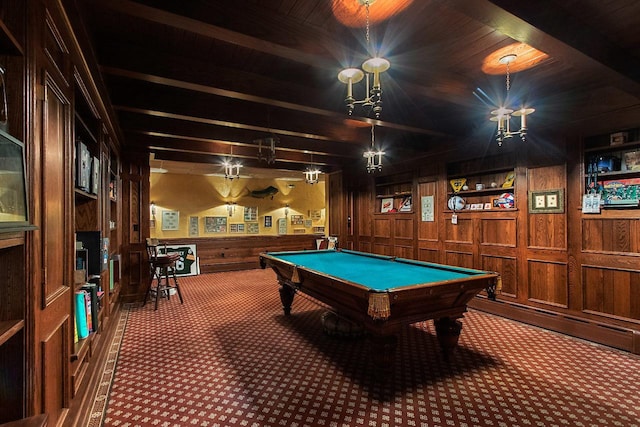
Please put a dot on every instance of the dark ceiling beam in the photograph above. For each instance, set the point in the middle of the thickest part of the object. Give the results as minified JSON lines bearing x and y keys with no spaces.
{"x":160,"y":153}
{"x":207,"y":89}
{"x":329,"y":63}
{"x":180,"y":142}
{"x":159,"y":16}
{"x":140,"y":123}
{"x":525,"y":24}
{"x":234,"y":125}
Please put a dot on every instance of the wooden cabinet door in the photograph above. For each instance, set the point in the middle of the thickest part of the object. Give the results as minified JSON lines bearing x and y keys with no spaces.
{"x":54,"y":318}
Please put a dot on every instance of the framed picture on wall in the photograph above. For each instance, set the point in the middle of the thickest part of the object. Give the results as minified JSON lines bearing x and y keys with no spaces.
{"x":194,"y":226}
{"x":236,"y":228}
{"x":215,"y":224}
{"x":253,"y":228}
{"x":170,"y":220}
{"x":251,"y":213}
{"x":546,"y":201}
{"x":268,"y":219}
{"x":282,"y":225}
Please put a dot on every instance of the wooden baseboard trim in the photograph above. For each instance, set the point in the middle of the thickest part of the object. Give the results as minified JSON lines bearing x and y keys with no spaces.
{"x":610,"y":335}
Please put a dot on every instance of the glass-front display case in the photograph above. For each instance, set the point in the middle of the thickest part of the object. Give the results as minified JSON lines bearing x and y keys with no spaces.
{"x":14,"y":212}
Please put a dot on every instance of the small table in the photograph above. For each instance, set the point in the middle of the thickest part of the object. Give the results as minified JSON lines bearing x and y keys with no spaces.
{"x":381,"y":293}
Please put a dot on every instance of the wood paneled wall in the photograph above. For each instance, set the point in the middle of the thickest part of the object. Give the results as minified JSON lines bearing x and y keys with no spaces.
{"x":568,"y":271}
{"x":241,"y":253}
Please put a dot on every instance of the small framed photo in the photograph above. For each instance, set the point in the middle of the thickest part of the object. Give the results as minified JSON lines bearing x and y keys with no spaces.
{"x":236,"y":228}
{"x":386,"y":205}
{"x":194,"y":225}
{"x":546,"y":201}
{"x":170,"y":220}
{"x":487,"y":206}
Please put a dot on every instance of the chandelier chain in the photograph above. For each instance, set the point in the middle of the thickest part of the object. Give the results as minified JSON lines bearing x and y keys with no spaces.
{"x":373,"y":136}
{"x":366,"y":4}
{"x":508,"y":78}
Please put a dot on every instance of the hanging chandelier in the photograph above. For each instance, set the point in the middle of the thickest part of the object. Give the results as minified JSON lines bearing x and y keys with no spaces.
{"x":231,"y":170}
{"x":502,"y":115}
{"x":371,"y":69}
{"x":311,"y":176}
{"x":270,"y":148}
{"x":373,"y":156}
{"x":312,"y":173}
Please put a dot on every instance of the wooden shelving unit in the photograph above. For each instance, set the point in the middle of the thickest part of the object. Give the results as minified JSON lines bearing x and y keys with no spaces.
{"x":13,"y":266}
{"x":613,"y":171}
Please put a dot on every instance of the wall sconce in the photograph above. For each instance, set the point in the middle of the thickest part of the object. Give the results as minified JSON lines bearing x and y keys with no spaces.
{"x":231,"y":208}
{"x":286,"y":210}
{"x":153,"y":209}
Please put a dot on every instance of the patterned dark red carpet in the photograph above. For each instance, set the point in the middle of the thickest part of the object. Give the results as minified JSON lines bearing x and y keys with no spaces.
{"x":229,"y":357}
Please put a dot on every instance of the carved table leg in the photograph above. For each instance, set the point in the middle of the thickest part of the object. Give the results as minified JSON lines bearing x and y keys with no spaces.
{"x":286,"y":297}
{"x":448,"y":332}
{"x":383,"y":350}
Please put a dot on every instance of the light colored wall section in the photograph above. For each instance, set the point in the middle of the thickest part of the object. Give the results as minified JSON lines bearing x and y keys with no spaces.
{"x":202,"y":196}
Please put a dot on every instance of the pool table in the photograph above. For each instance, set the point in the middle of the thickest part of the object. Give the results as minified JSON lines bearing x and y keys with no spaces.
{"x":381,"y":293}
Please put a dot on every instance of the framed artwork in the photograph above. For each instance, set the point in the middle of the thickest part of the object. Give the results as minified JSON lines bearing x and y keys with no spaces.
{"x":591,"y":203}
{"x":427,"y":209}
{"x":308,"y":223}
{"x":282,"y":225}
{"x":236,"y":228}
{"x":250,"y":213}
{"x":187,"y":264}
{"x":546,"y":201}
{"x":253,"y":228}
{"x":268,"y":220}
{"x":194,"y":226}
{"x":406,"y":205}
{"x":387,"y":205}
{"x":297,"y":220}
{"x":215,"y":224}
{"x":316,"y":214}
{"x":170,"y":220}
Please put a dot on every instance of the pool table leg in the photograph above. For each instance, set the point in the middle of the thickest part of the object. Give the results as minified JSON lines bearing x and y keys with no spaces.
{"x":383,"y":351}
{"x":448,"y":332}
{"x":286,"y":297}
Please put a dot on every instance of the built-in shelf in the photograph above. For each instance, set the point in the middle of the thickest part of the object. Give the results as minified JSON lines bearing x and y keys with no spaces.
{"x":81,"y":348}
{"x":85,"y":194}
{"x":619,"y":174}
{"x":607,"y":148}
{"x":87,"y":131}
{"x":398,"y":194}
{"x":483,"y":192}
{"x":8,"y":328}
{"x":464,"y":211}
{"x":9,"y":45}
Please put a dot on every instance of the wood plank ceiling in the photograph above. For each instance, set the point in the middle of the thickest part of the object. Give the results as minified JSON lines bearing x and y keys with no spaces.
{"x":199,"y":81}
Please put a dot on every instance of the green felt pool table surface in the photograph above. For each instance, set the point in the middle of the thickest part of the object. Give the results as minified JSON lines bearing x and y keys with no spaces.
{"x":379,"y":273}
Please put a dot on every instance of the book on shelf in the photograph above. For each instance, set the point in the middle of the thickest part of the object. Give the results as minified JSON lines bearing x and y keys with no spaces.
{"x":93,"y":305}
{"x":81,"y":314}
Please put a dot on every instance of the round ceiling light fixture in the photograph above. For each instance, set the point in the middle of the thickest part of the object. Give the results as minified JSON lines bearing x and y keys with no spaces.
{"x":528,"y":57}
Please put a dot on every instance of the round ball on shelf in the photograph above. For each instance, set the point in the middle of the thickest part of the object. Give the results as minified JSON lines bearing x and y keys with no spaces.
{"x":465,"y":187}
{"x":494,"y":185}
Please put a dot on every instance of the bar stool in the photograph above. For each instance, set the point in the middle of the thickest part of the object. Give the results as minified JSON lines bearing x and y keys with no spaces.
{"x":162,"y":272}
